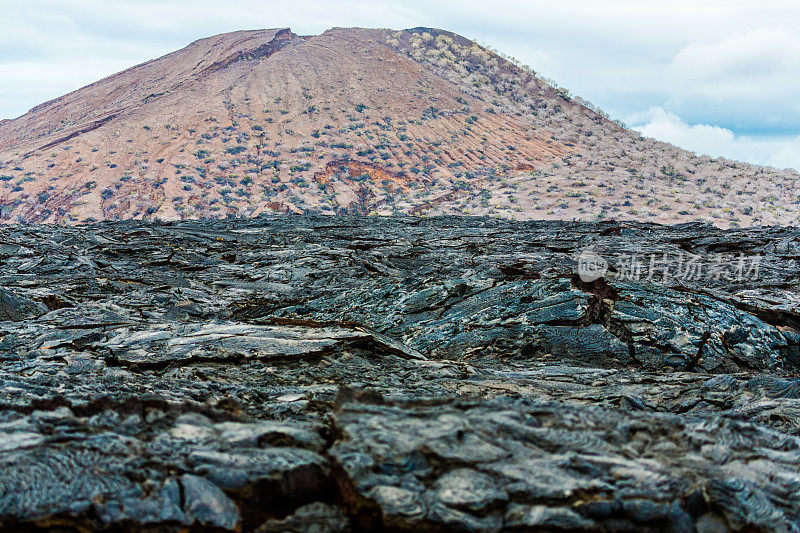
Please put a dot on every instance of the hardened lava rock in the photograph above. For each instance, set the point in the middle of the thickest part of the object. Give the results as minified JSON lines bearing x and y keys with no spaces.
{"x":355,"y":374}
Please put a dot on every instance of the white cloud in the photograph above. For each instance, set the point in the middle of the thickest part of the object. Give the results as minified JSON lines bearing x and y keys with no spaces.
{"x":764,"y":52}
{"x":787,"y":156}
{"x":759,"y":70}
{"x":669,"y":127}
{"x":716,"y":141}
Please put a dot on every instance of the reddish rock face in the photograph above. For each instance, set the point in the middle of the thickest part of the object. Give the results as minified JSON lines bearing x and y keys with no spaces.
{"x":421,"y":121}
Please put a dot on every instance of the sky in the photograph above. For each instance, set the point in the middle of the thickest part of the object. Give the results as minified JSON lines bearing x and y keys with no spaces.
{"x":717,"y":77}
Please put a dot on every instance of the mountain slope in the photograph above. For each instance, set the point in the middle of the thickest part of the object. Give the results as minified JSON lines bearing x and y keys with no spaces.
{"x":355,"y":120}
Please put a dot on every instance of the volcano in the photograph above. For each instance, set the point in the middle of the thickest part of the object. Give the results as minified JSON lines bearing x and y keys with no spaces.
{"x":359,"y":121}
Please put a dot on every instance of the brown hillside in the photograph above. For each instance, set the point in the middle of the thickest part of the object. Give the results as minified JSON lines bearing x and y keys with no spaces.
{"x":370,"y":121}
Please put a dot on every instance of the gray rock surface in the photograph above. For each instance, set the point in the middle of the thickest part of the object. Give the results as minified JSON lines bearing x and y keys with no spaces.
{"x":343,"y":374}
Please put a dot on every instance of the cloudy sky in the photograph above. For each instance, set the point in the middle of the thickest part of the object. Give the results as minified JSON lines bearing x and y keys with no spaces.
{"x":717,"y":77}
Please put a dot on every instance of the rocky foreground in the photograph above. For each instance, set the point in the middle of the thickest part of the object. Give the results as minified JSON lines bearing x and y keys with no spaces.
{"x":335,"y":374}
